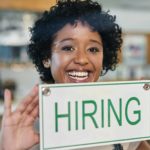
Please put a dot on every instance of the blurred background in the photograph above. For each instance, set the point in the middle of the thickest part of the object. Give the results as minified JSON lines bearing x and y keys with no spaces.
{"x":16,"y":16}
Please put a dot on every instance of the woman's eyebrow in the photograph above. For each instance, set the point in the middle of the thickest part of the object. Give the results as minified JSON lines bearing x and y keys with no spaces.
{"x":71,"y":39}
{"x":95,"y":41}
{"x":63,"y":40}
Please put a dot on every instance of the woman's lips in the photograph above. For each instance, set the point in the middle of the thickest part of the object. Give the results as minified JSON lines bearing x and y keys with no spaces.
{"x":78,"y":76}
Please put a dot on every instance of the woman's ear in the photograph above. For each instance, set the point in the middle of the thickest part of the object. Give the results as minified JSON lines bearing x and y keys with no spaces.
{"x":47,"y":63}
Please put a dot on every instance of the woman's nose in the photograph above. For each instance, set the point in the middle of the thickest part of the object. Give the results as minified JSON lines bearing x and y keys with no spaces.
{"x":81,"y":58}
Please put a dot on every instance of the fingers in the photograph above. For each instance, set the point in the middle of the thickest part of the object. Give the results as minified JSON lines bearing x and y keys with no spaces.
{"x":29,"y":101}
{"x":31,"y":113}
{"x":32,"y":105}
{"x":35,"y":112}
{"x":28,"y":108}
{"x":7,"y":102}
{"x":30,"y":118}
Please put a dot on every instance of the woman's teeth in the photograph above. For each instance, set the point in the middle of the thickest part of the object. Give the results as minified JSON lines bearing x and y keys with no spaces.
{"x":78,"y":75}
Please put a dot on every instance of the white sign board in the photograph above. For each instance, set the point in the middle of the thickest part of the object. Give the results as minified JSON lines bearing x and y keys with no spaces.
{"x":91,"y":114}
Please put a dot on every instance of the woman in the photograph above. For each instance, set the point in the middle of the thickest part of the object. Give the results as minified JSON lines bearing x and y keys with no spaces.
{"x":74,"y":42}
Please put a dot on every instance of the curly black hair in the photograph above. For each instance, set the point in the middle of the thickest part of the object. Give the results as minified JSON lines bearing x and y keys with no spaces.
{"x":69,"y":11}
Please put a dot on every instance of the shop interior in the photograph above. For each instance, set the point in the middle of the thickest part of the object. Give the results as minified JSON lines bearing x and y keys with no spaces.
{"x":16,"y":17}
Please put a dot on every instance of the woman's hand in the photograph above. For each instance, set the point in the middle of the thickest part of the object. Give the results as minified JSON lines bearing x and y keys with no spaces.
{"x":17,"y":132}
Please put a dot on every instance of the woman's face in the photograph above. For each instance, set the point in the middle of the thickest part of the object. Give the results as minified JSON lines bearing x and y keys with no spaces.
{"x":77,"y":54}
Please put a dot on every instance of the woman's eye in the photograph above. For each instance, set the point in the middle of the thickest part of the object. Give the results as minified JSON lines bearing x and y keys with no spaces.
{"x":67,"y":48}
{"x":94,"y":49}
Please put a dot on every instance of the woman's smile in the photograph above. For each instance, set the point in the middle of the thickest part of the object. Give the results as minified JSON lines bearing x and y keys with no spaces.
{"x":78,"y":76}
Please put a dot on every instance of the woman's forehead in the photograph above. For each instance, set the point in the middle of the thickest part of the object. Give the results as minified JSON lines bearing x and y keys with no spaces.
{"x":78,"y":34}
{"x":75,"y":28}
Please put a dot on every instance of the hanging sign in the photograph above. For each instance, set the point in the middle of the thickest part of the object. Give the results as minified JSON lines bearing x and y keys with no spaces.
{"x":91,"y":114}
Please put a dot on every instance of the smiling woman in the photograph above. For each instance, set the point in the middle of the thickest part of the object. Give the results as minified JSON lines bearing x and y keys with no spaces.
{"x":78,"y":21}
{"x":75,"y":41}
